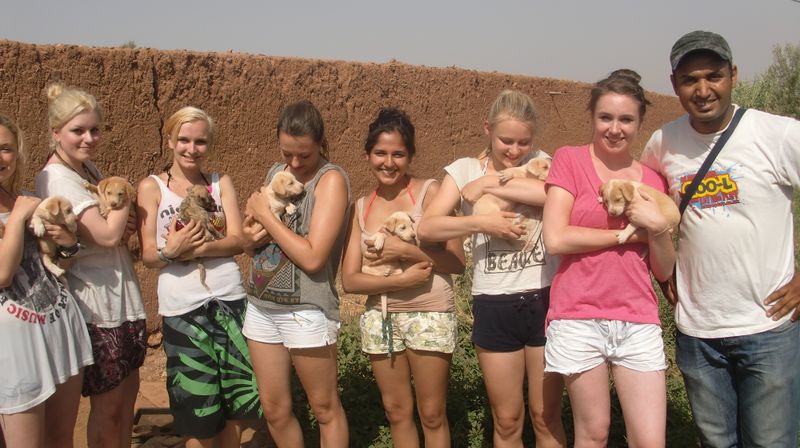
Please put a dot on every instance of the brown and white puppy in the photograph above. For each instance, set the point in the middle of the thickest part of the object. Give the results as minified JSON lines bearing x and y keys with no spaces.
{"x":401,"y":225}
{"x":616,"y":194}
{"x":280,"y":190}
{"x":53,"y":210}
{"x":112,"y":193}
{"x":198,"y":206}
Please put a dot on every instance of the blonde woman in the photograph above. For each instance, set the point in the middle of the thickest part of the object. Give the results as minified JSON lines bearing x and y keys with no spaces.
{"x":101,"y":274}
{"x":511,"y":281}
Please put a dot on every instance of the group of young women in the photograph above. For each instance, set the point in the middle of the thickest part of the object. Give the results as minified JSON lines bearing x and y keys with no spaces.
{"x":231,"y":344}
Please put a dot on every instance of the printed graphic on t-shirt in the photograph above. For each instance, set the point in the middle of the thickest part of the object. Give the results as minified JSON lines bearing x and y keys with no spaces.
{"x":718,"y":188}
{"x":33,"y":297}
{"x":273,"y":276}
{"x":504,"y":256}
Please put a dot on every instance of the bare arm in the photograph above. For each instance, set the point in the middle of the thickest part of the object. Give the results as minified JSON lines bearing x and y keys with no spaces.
{"x":438,"y":224}
{"x":327,"y":218}
{"x":561,"y":238}
{"x":357,"y":282}
{"x":14,"y":238}
{"x":231,"y":244}
{"x":103,"y":232}
{"x":644,"y":213}
{"x":519,"y":190}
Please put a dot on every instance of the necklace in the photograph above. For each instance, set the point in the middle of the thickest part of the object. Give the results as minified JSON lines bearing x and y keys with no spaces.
{"x":89,"y":176}
{"x":169,"y":177}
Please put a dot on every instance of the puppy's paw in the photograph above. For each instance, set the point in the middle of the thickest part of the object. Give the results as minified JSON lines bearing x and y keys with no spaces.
{"x":291,"y":209}
{"x":625,"y":234}
{"x":505,"y":176}
{"x":37,"y":226}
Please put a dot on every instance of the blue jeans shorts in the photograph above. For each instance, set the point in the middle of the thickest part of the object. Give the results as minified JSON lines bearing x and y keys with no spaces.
{"x":744,"y":390}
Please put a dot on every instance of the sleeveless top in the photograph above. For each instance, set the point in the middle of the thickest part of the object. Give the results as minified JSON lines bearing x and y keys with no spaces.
{"x":275,"y":283}
{"x":434,"y":296}
{"x":43,"y":337}
{"x":179,"y":287}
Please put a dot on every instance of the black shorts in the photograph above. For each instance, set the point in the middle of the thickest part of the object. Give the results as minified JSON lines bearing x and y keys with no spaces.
{"x":509,"y":322}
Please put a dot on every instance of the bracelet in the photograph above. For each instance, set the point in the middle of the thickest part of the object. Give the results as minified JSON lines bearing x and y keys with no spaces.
{"x":69,"y":251}
{"x":162,"y":257}
{"x":666,"y":229}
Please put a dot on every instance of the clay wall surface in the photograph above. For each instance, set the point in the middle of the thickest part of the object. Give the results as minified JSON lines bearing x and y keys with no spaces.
{"x":139,"y":88}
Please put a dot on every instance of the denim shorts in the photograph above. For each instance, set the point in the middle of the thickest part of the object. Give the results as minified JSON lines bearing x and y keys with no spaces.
{"x":428,"y":331}
{"x":575,"y":346}
{"x":294,"y":329}
{"x":510,"y":322}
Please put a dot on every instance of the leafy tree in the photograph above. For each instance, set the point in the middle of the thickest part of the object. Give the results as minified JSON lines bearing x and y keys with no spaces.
{"x":778,"y":89}
{"x":128,"y":44}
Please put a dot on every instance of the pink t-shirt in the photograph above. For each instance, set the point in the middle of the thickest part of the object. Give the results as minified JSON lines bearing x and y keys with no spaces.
{"x":612,"y":283}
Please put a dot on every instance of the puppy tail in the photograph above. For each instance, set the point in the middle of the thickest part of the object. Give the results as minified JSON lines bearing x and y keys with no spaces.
{"x":201,"y":270}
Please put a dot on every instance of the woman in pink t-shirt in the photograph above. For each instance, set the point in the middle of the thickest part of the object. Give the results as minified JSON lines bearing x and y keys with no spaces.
{"x":603,"y":309}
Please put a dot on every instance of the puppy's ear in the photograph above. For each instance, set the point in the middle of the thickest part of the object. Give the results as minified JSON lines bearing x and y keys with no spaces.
{"x":390,"y":224}
{"x":131,"y":192}
{"x":53,"y":206}
{"x":602,"y":192}
{"x":627,"y":190}
{"x":279,"y":185}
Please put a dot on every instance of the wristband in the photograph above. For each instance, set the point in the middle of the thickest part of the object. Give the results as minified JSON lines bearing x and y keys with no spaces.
{"x":69,"y":251}
{"x":162,"y":257}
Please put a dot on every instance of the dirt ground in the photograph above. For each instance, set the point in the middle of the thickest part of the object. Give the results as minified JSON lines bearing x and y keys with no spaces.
{"x":153,"y":427}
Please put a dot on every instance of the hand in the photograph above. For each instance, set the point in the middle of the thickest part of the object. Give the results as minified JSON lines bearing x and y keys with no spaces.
{"x":60,"y":235}
{"x":474,"y":190}
{"x":670,"y":291}
{"x":257,"y":205}
{"x":393,"y":249}
{"x":503,"y":225}
{"x":643,"y":212}
{"x":418,"y":274}
{"x":253,"y":234}
{"x":25,"y":205}
{"x":180,"y":242}
{"x":130,"y":227}
{"x":785,"y":300}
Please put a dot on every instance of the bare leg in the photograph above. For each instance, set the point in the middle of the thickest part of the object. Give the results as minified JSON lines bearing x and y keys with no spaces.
{"x":61,"y":411}
{"x":111,"y":414}
{"x":431,"y":372}
{"x":316,"y":368}
{"x":394,"y":381}
{"x":591,"y":403}
{"x":544,"y":400}
{"x":643,"y":396}
{"x":24,"y":429}
{"x":503,"y":375}
{"x":273,"y":367}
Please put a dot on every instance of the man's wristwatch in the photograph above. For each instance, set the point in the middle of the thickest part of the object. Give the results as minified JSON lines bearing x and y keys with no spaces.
{"x":69,"y":251}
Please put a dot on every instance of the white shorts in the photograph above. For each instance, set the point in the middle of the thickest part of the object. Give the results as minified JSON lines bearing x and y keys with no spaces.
{"x":575,"y":346}
{"x":293,"y":329}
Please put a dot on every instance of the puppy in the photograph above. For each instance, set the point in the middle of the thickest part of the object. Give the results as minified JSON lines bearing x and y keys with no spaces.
{"x":112,"y":193}
{"x":197,"y":206}
{"x":399,"y":224}
{"x":280,"y":190}
{"x":616,"y":194}
{"x":489,"y":203}
{"x":53,"y":210}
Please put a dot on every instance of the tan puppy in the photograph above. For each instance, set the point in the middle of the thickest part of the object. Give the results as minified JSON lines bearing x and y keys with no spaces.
{"x":401,"y":225}
{"x":197,"y":206}
{"x":112,"y":193}
{"x":53,"y":210}
{"x":489,"y":203}
{"x":280,"y":190}
{"x":616,"y":194}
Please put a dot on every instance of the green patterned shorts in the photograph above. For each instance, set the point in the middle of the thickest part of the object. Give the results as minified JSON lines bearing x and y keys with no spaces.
{"x":210,"y":379}
{"x":429,"y":331}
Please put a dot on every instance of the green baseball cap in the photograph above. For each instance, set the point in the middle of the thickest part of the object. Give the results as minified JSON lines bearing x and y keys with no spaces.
{"x":696,"y":41}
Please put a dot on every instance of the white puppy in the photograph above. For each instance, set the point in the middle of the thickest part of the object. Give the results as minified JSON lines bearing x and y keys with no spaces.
{"x":616,"y":194}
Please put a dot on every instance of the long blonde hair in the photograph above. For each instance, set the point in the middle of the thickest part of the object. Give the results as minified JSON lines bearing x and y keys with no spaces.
{"x":188,"y":114}
{"x":12,"y":184}
{"x":65,"y":103}
{"x":511,"y":104}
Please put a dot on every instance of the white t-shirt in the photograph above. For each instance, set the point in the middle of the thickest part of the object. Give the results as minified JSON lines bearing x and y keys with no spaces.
{"x":499,"y":267}
{"x":179,"y":286}
{"x":736,"y":240}
{"x":102,"y":279}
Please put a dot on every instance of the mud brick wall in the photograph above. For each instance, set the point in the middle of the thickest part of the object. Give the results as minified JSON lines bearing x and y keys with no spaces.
{"x":139,"y":88}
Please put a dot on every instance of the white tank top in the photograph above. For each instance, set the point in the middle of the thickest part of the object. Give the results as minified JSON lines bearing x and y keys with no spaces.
{"x":179,"y":287}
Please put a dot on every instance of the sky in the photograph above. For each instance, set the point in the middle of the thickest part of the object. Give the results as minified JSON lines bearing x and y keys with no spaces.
{"x":566,"y":39}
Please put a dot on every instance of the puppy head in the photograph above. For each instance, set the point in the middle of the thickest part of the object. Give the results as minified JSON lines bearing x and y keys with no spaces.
{"x":538,"y":168}
{"x":58,"y":210}
{"x":116,"y":191}
{"x":616,"y":194}
{"x":285,"y":185}
{"x":400,"y":224}
{"x":200,"y":195}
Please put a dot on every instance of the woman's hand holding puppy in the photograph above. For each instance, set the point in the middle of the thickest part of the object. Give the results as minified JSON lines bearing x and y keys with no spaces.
{"x":253,"y":235}
{"x":417,"y":274}
{"x":24,"y":207}
{"x":502,"y":225}
{"x":182,"y":244}
{"x":644,"y":212}
{"x":394,"y":249}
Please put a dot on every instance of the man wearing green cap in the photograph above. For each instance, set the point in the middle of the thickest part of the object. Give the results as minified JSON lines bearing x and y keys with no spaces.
{"x":738,"y":295}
